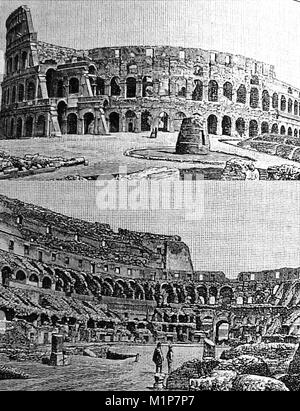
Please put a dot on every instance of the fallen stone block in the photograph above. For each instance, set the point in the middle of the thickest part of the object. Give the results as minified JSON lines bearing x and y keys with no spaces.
{"x":257,"y":383}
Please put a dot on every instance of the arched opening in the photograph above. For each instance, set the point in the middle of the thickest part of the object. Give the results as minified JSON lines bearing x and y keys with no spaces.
{"x":198,"y":91}
{"x":130,"y":118}
{"x":115,"y":89}
{"x":296,"y":108}
{"x":222,"y":332}
{"x":100,"y":87}
{"x":283,"y":103}
{"x":212,"y":124}
{"x":202,"y":295}
{"x":227,"y":90}
{"x":40,"y":127}
{"x":253,"y":128}
{"x":254,"y":97}
{"x":21,"y":92}
{"x":147,"y":87}
{"x":13,"y":95}
{"x":28,"y":127}
{"x":20,"y":276}
{"x":146,"y":121}
{"x":60,"y":88}
{"x":6,"y":274}
{"x":275,"y":100}
{"x":72,"y":123}
{"x":16,"y":62}
{"x":296,"y":133}
{"x":226,"y":126}
{"x":19,"y":128}
{"x":61,"y":116}
{"x":130,"y":87}
{"x":89,"y":123}
{"x":12,"y":127}
{"x":265,"y":101}
{"x":275,"y":129}
{"x":290,"y":106}
{"x":114,"y":122}
{"x":179,"y":116}
{"x":30,"y":91}
{"x":73,"y":85}
{"x":181,"y":87}
{"x":46,"y":283}
{"x":282,"y":130}
{"x":290,"y":132}
{"x":24,"y":60}
{"x":213,"y":89}
{"x":50,"y":82}
{"x":264,"y":127}
{"x":240,"y":126}
{"x":163,"y":122}
{"x":34,"y":279}
{"x":226,"y":296}
{"x":92,"y":70}
{"x":241,"y":94}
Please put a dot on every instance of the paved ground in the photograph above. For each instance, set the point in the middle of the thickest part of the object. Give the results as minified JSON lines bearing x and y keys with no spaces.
{"x":106,"y":153}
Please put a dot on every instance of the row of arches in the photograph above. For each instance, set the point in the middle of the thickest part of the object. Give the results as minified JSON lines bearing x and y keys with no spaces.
{"x":20,"y":92}
{"x":17,"y":62}
{"x":253,"y":125}
{"x":21,"y":277}
{"x":25,"y":127}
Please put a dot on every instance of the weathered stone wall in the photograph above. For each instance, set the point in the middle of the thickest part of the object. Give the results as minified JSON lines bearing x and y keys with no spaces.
{"x":140,"y":87}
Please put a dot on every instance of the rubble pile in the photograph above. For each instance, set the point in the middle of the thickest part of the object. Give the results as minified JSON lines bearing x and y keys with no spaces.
{"x":179,"y":379}
{"x":13,"y":166}
{"x":276,"y":355}
{"x":8,"y":373}
{"x":284,"y":172}
{"x":279,"y":145}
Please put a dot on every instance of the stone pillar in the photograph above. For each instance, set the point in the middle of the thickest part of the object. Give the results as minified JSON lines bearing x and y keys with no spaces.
{"x":138,"y":123}
{"x":57,"y":356}
{"x":219,"y":126}
{"x":205,"y":90}
{"x":139,"y":89}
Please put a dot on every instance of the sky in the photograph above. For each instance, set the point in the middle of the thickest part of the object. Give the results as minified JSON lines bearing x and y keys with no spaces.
{"x":241,"y":227}
{"x":267,"y":30}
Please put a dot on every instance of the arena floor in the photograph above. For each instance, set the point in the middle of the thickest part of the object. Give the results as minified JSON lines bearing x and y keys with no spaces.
{"x":105,"y":154}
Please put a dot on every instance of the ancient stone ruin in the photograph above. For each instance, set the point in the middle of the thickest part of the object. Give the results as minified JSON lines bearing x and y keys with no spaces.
{"x":191,"y":139}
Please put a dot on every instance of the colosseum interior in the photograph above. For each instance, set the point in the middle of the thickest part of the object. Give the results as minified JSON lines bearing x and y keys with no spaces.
{"x":95,"y":284}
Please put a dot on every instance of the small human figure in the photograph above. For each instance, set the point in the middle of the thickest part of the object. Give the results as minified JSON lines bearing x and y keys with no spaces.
{"x":170,"y":357}
{"x":158,"y":358}
{"x":137,"y":357}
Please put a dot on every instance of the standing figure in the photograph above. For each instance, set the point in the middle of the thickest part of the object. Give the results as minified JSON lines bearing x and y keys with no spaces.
{"x":170,"y":357}
{"x":158,"y":358}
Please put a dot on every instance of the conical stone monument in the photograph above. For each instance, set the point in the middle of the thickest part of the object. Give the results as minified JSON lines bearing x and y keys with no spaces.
{"x":191,"y":138}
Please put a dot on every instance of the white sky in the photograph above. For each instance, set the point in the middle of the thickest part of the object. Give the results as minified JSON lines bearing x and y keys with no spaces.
{"x":268,"y":30}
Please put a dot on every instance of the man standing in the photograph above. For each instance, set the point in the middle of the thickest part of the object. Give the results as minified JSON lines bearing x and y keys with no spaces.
{"x":158,"y":358}
{"x":170,"y":357}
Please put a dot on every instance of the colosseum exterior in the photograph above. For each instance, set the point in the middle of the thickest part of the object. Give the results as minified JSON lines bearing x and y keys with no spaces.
{"x":50,"y":90}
